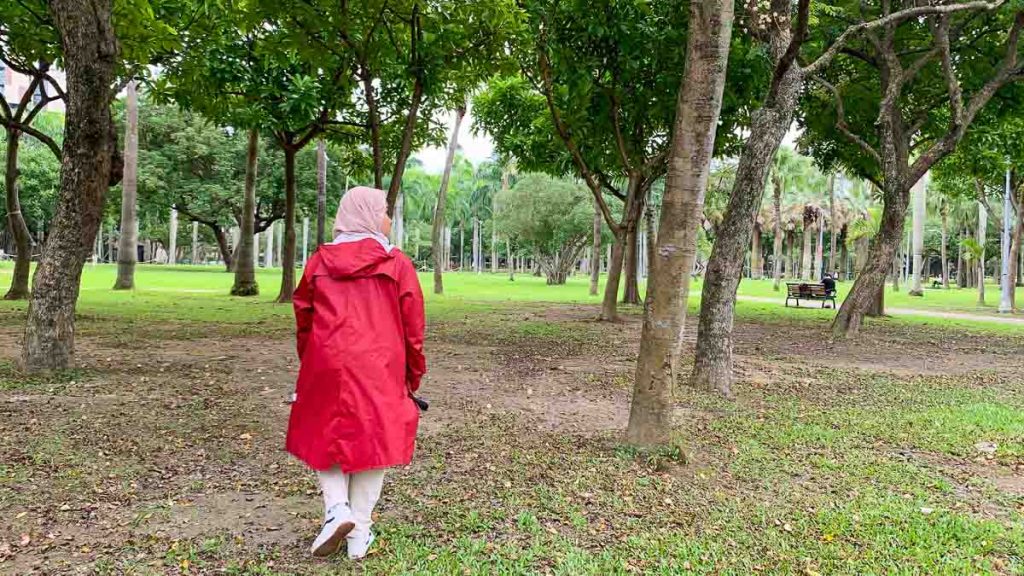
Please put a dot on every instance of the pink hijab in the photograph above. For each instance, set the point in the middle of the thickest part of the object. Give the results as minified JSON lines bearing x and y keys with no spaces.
{"x":361,"y":211}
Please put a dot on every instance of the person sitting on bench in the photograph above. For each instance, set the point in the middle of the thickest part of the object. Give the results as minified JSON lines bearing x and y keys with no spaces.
{"x":829,"y":283}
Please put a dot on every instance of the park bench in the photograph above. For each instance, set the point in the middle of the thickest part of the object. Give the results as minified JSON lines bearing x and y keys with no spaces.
{"x":803,"y":291}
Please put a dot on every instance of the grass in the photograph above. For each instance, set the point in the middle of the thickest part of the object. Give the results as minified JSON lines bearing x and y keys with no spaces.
{"x":170,"y":295}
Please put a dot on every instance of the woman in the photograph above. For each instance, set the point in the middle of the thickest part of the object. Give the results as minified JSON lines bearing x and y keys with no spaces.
{"x":359,"y":311}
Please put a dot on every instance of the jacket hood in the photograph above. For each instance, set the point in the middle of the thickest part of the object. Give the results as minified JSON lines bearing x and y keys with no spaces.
{"x":356,"y":259}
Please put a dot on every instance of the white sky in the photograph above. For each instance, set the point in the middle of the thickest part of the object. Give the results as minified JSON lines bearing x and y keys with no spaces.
{"x":476,"y":148}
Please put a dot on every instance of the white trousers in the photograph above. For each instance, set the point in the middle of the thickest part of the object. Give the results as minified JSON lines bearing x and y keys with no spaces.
{"x":360,"y":491}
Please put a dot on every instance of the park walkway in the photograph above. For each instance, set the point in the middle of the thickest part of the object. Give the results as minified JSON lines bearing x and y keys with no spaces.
{"x":1017,"y":320}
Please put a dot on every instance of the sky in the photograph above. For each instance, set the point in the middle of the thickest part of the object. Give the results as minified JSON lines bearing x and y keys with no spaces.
{"x":476,"y":148}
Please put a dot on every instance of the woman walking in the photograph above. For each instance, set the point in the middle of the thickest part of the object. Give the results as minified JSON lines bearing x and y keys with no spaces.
{"x":359,"y":316}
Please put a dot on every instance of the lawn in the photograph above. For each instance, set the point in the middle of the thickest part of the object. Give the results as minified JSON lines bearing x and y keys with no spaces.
{"x":901,"y":452}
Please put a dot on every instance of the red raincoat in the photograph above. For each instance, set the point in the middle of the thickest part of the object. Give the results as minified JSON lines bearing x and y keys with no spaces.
{"x":359,"y":312}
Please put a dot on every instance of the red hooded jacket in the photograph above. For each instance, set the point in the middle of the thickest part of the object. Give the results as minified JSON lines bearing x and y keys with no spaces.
{"x":359,"y":316}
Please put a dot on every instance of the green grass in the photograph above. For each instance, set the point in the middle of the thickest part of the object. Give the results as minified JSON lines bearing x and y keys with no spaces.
{"x":180,"y":294}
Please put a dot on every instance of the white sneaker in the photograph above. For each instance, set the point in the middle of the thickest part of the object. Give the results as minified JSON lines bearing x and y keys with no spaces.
{"x":336,"y":528}
{"x":359,"y":543}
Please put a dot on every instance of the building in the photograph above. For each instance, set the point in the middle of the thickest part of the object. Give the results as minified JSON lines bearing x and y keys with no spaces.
{"x":14,"y":84}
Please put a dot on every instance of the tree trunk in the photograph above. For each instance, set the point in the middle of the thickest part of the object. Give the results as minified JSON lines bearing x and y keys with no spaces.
{"x":268,"y":252}
{"x":819,"y":249}
{"x":777,"y":229}
{"x":609,"y":306}
{"x":595,"y":264}
{"x":511,"y":260}
{"x":864,"y":294}
{"x":982,"y":230}
{"x":16,"y":223}
{"x":248,"y":252}
{"x":689,"y":163}
{"x":651,"y":238}
{"x":961,"y":271}
{"x":287,"y":247}
{"x":195,"y":243}
{"x":88,"y":168}
{"x":462,"y":246}
{"x":833,"y":262}
{"x":321,"y":190}
{"x":172,"y":239}
{"x":405,"y":147}
{"x":442,"y":198}
{"x":917,"y":241}
{"x":944,"y":211}
{"x":226,"y":255}
{"x":807,"y":254}
{"x":790,"y":256}
{"x":631,"y":289}
{"x":713,"y":360}
{"x":756,"y":263}
{"x":897,"y":267}
{"x":126,"y":256}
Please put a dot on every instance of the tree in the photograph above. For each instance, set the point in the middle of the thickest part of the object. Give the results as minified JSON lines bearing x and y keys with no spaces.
{"x":693,"y":142}
{"x":90,"y":60}
{"x":245,"y":267}
{"x":439,"y":209}
{"x":896,"y":105}
{"x":126,"y":254}
{"x":550,"y":217}
{"x":599,"y":101}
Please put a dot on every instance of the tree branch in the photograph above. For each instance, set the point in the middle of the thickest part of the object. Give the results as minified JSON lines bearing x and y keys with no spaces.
{"x":890,"y":19}
{"x":1006,"y":72}
{"x":563,"y":132}
{"x":841,"y":122}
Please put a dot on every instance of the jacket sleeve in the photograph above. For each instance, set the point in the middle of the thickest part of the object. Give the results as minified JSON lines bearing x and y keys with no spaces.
{"x":410,"y":301}
{"x":302,"y":301}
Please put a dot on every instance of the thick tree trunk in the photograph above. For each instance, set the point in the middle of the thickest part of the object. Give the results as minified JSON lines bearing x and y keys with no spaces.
{"x":321,"y":190}
{"x":790,"y":253}
{"x":288,"y":246}
{"x":944,"y":211}
{"x":713,"y":361}
{"x":129,"y":203}
{"x":16,"y":223}
{"x":651,"y":238}
{"x":88,"y":168}
{"x":689,"y":163}
{"x":442,"y":198}
{"x":595,"y":253}
{"x":917,"y":241}
{"x":865,"y":292}
{"x":248,"y":252}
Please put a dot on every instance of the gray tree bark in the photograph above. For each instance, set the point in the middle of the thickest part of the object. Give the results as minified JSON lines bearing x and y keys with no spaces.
{"x":90,"y":165}
{"x":713,"y":361}
{"x":777,"y":229}
{"x":16,"y":222}
{"x":442,"y":198}
{"x":689,"y":163}
{"x":248,"y":251}
{"x":595,"y":253}
{"x":126,"y":253}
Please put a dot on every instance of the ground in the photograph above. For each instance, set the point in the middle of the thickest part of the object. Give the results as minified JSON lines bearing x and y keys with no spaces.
{"x":901,"y":452}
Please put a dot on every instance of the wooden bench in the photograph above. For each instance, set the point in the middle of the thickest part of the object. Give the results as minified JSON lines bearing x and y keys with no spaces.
{"x":803,"y":291}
